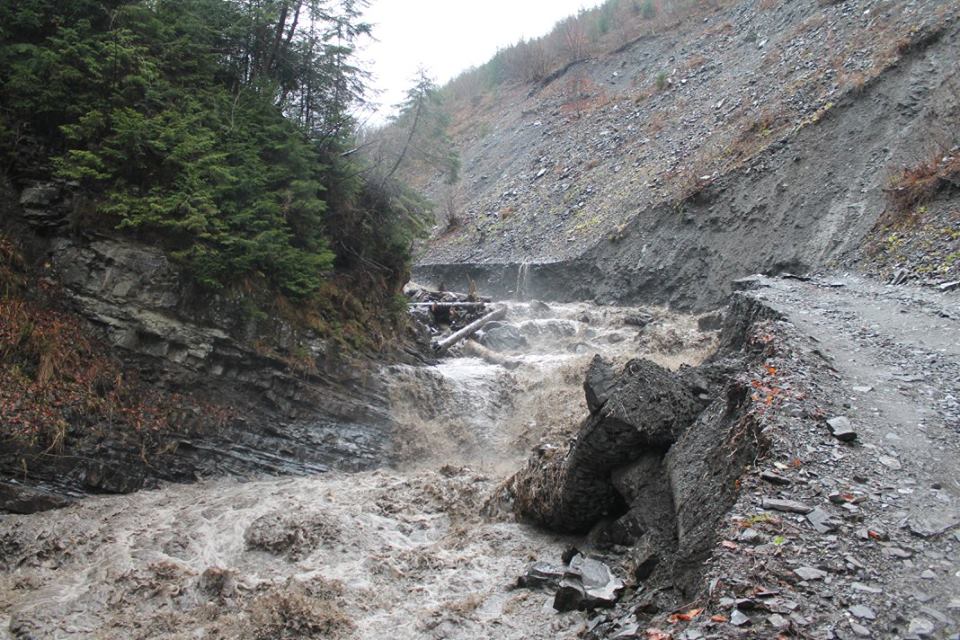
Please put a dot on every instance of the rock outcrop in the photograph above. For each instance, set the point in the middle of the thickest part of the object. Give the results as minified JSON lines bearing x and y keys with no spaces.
{"x":653,"y":469}
{"x":284,"y":420}
{"x":645,"y":414}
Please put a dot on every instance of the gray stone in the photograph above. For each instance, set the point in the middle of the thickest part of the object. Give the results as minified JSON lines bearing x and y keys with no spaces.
{"x":644,"y":414}
{"x":570,"y":595}
{"x":778,"y":622}
{"x":774,"y":478}
{"x":788,"y":506}
{"x":935,"y":522}
{"x":750,"y":536}
{"x":16,"y":498}
{"x":600,"y":381}
{"x":949,"y":286}
{"x":921,"y":628}
{"x":42,"y":194}
{"x":638,"y":320}
{"x":860,"y":630}
{"x":645,"y":566}
{"x":739,"y":619}
{"x":822,"y":521}
{"x":936,"y":615}
{"x":841,"y":429}
{"x":587,"y":584}
{"x":107,"y":478}
{"x":809,"y":573}
{"x":890,"y":462}
{"x":539,"y":309}
{"x":710,"y":322}
{"x":897,"y":552}
{"x":863,"y":612}
{"x":866,"y":588}
{"x":749,"y":283}
{"x":502,"y":337}
{"x":541,"y":575}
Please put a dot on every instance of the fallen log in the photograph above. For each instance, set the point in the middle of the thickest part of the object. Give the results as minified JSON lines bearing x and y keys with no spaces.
{"x":448,"y":305}
{"x":475,"y":349}
{"x":442,"y":345}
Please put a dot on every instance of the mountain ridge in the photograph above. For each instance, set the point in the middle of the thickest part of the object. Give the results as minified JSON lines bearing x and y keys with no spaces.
{"x":586,"y":184}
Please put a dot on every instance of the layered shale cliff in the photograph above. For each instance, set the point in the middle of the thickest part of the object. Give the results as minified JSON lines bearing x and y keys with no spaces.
{"x":211,"y":384}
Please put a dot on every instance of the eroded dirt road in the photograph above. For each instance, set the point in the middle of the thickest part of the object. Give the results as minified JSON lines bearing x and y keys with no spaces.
{"x":879,"y":554}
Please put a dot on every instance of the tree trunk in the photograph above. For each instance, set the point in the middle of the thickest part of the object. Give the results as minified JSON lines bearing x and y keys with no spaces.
{"x":442,"y":345}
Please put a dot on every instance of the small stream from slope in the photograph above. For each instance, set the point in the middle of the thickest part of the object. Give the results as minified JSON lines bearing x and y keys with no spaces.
{"x":399,"y":552}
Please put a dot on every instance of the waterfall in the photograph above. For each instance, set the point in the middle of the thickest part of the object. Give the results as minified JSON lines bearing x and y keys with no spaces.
{"x":523,"y":278}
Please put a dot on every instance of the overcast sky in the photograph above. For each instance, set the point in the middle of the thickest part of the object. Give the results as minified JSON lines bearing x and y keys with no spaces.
{"x":449,"y":36}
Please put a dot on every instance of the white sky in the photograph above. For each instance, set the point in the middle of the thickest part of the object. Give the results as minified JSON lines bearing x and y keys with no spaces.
{"x":448,"y":36}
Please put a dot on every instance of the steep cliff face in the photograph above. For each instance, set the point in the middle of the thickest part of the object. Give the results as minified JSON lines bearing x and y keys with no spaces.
{"x":766,"y":147}
{"x":275,"y":397}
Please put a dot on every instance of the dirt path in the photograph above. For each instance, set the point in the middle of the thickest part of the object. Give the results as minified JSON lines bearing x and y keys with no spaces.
{"x":880,"y":555}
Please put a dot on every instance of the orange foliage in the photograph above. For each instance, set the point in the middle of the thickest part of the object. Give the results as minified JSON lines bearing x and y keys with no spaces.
{"x":919,"y":184}
{"x":57,"y":383}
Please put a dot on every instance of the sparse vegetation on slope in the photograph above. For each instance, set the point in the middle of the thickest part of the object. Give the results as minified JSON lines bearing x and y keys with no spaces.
{"x":60,"y":386}
{"x":733,"y":120}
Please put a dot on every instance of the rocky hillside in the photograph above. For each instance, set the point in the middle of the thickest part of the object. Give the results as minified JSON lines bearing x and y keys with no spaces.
{"x":755,"y":136}
{"x":117,"y":372}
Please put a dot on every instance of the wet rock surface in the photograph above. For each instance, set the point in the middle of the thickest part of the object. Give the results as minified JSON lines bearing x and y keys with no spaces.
{"x":830,"y":538}
{"x":586,"y":584}
{"x":281,"y":421}
{"x":645,"y":412}
{"x":400,"y":552}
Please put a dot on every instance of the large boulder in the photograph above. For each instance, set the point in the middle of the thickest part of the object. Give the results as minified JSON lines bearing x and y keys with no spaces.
{"x":17,"y":498}
{"x":600,"y":382}
{"x":571,"y":489}
{"x":501,"y":336}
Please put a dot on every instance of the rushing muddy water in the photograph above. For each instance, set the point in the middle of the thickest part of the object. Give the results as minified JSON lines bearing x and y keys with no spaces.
{"x":396,"y":553}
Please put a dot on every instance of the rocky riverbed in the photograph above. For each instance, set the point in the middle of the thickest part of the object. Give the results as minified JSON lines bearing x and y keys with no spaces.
{"x":816,"y":495}
{"x":402,"y":551}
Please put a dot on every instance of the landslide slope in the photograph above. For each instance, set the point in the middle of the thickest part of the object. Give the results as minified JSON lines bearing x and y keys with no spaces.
{"x":754,"y":137}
